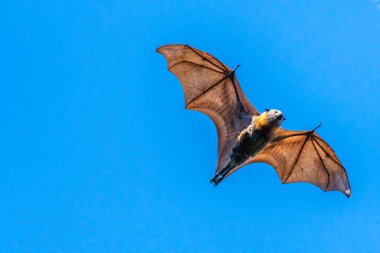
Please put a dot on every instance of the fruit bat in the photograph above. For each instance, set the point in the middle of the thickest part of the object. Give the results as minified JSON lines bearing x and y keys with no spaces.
{"x":244,"y":134}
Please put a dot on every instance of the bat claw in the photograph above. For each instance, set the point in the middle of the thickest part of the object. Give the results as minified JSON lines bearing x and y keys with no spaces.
{"x":232,"y":73}
{"x":320,"y":124}
{"x":236,"y":67}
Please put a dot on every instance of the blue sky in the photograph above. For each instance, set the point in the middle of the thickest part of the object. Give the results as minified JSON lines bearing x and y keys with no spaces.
{"x":99,"y":155}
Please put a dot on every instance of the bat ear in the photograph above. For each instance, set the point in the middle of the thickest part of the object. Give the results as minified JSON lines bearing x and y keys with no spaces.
{"x":267,"y":110}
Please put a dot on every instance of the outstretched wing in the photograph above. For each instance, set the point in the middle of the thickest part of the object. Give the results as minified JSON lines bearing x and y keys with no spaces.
{"x":303,"y":156}
{"x":212,"y":88}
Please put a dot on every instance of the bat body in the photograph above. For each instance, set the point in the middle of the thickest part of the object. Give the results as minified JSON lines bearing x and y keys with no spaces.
{"x":246,"y":136}
{"x":251,"y":141}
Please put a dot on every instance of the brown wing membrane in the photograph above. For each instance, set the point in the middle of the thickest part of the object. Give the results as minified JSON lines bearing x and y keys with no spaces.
{"x":305,"y":157}
{"x":212,"y":88}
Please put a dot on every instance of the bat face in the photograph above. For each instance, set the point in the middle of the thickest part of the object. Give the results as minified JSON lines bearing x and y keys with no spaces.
{"x":270,"y":119}
{"x":274,"y":116}
{"x":244,"y":135}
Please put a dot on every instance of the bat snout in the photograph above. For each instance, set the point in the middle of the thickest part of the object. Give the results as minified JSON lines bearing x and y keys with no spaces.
{"x":275,"y":116}
{"x":279,"y":116}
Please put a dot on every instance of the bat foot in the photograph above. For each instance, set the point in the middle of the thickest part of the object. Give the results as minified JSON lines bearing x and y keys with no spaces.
{"x":216,"y":180}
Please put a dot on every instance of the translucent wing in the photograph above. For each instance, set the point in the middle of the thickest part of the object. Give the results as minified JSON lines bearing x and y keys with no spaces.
{"x":303,"y":156}
{"x":212,"y":88}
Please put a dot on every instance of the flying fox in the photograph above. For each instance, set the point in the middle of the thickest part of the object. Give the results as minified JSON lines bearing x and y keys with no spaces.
{"x":245,"y":135}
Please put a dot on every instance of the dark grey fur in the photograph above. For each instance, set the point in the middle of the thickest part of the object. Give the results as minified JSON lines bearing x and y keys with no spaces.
{"x":251,"y":142}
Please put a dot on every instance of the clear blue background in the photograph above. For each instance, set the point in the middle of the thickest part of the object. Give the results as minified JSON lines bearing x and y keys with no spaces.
{"x":99,"y":155}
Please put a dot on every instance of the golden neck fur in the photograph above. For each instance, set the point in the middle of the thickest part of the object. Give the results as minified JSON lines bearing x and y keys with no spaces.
{"x":264,"y":121}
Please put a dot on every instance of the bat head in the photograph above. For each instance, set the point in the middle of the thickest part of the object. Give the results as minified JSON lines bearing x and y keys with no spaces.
{"x":275,"y":117}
